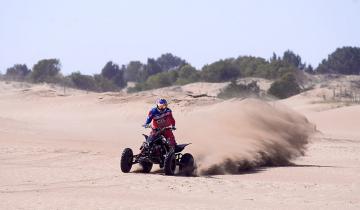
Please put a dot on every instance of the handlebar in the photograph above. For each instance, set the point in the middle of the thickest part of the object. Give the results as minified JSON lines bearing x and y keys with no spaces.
{"x":161,"y":129}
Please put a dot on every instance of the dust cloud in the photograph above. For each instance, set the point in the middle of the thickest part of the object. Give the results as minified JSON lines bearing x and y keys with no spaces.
{"x":234,"y":136}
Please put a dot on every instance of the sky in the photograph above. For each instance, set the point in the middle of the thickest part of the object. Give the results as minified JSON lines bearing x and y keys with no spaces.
{"x":85,"y":34}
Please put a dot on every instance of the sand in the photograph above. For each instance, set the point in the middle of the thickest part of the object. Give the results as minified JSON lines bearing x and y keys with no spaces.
{"x":61,"y":151}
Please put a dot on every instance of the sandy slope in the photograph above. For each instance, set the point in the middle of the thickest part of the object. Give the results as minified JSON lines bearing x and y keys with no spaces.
{"x":62,"y":152}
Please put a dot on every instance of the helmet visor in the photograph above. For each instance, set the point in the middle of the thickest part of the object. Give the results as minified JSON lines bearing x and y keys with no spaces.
{"x":162,"y":106}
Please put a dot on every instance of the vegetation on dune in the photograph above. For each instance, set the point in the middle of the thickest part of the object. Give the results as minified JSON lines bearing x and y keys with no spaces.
{"x":18,"y":72}
{"x":344,"y":60}
{"x":85,"y":82}
{"x":285,"y":87}
{"x":170,"y":70}
{"x":234,"y":90}
{"x":221,"y":71}
{"x":46,"y":70}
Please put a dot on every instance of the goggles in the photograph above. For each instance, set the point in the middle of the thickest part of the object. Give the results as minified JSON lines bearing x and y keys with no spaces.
{"x":162,"y":106}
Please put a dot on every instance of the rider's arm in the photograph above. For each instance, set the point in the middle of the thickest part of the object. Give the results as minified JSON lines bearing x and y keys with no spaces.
{"x":172,"y":120}
{"x":149,"y":118}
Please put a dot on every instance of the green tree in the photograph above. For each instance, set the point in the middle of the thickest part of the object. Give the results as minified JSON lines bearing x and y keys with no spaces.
{"x":160,"y":80}
{"x":46,"y":70}
{"x":274,"y":57}
{"x":223,"y":70}
{"x":250,"y":66}
{"x":119,"y":80}
{"x":345,"y":60}
{"x":168,"y":61}
{"x":309,"y":69}
{"x":187,"y":74}
{"x":133,"y":71}
{"x":285,"y":87}
{"x":18,"y":72}
{"x":152,"y":67}
{"x":83,"y":82}
{"x":112,"y":72}
{"x":103,"y":84}
{"x":291,"y":58}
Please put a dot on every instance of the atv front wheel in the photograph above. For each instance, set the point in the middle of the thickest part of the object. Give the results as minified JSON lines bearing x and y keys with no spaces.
{"x":126,"y":160}
{"x":187,"y":164}
{"x":170,"y":164}
{"x":146,"y":166}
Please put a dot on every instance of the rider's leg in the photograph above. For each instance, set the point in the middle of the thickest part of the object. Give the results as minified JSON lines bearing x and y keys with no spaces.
{"x":168,"y":134}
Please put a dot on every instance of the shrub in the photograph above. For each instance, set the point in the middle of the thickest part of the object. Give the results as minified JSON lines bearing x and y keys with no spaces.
{"x":285,"y":87}
{"x":187,"y":74}
{"x":160,"y":80}
{"x":18,"y":72}
{"x":220,"y":71}
{"x":46,"y":70}
{"x":234,"y":90}
{"x":83,"y":82}
{"x":103,"y":84}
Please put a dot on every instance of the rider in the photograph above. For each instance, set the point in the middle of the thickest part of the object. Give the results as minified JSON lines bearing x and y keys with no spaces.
{"x":161,"y":116}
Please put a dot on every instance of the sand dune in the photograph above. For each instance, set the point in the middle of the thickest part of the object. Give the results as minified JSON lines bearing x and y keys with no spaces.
{"x":61,"y":151}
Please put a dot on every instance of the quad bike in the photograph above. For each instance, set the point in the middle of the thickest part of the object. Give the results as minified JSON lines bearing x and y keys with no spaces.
{"x":156,"y":150}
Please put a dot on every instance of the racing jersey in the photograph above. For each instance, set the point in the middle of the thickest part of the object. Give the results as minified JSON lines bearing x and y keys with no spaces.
{"x":160,"y":119}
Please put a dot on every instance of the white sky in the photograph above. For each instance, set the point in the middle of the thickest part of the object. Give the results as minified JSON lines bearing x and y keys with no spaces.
{"x":85,"y":34}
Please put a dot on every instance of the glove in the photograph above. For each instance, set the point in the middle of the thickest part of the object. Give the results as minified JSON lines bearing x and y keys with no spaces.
{"x":173,"y":127}
{"x":146,"y":126}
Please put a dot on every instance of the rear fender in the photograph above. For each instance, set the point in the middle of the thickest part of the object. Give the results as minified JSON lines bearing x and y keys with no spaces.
{"x":180,"y":147}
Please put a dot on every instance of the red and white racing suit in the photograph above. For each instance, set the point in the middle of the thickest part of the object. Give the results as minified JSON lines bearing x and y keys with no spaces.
{"x":161,"y":119}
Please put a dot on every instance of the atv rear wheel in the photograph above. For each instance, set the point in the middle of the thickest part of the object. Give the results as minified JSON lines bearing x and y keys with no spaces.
{"x":126,"y":160}
{"x":146,"y":166}
{"x":170,"y":164}
{"x":187,"y":164}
